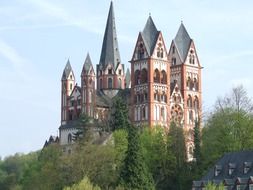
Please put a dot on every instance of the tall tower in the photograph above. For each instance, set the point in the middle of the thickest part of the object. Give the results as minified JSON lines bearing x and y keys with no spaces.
{"x":186,"y":79}
{"x":110,"y":71}
{"x":67,"y":85}
{"x":150,"y":81}
{"x":88,"y":78}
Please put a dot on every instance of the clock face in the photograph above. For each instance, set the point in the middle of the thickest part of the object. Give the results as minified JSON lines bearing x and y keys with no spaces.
{"x":176,"y":113}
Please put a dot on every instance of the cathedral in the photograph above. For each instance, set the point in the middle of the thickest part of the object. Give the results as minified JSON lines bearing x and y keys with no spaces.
{"x":163,"y":83}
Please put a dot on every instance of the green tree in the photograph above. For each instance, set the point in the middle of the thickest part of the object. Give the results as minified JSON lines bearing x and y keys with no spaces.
{"x":120,"y":119}
{"x":82,"y":127}
{"x":135,"y":174}
{"x":197,"y":141}
{"x":85,"y":184}
{"x":158,"y":157}
{"x":177,"y":146}
{"x":211,"y":186}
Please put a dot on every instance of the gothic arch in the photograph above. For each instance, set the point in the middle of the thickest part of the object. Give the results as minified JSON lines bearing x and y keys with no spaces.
{"x":109,"y":82}
{"x":144,"y":76}
{"x":156,"y":76}
{"x":164,"y":77}
{"x":196,"y":103}
{"x":189,"y":101}
{"x":137,"y":77}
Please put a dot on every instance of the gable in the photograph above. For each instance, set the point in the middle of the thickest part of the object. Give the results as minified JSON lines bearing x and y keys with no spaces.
{"x":192,"y":58}
{"x":159,"y":50}
{"x":174,"y":55}
{"x":140,"y":50}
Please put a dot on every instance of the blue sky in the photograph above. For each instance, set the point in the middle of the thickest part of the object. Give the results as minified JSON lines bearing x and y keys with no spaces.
{"x":38,"y":36}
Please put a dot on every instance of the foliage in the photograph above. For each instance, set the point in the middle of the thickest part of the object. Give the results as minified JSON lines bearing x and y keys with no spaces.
{"x":211,"y":186}
{"x":85,"y":184}
{"x":197,"y":141}
{"x":120,"y":119}
{"x":82,"y":127}
{"x":135,"y":174}
{"x":157,"y":155}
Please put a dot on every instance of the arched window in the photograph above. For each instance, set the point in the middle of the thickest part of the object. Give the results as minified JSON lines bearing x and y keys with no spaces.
{"x":158,"y":54}
{"x":191,"y":116}
{"x":140,"y":51}
{"x":195,"y":84}
{"x":137,"y":77}
{"x":144,"y":76}
{"x":189,"y":102}
{"x":161,"y":52}
{"x":188,"y":83}
{"x":101,"y":83}
{"x":109,"y":82}
{"x":163,"y":114}
{"x":164,"y":77}
{"x":173,"y":49}
{"x":193,"y":59}
{"x":120,"y":83}
{"x":196,"y":103}
{"x":156,"y":76}
{"x":71,"y":86}
{"x":174,"y":61}
{"x":163,"y":97}
{"x":145,"y":96}
{"x":143,"y":112}
{"x":69,"y":138}
{"x":156,"y":96}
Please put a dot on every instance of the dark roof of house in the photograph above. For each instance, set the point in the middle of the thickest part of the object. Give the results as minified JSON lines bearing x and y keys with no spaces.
{"x":236,"y":161}
{"x":51,"y":140}
{"x":87,"y":64}
{"x":110,"y":50}
{"x":124,"y":94}
{"x":102,"y":100}
{"x":182,"y":42}
{"x":67,"y":70}
{"x":69,"y":125}
{"x":149,"y":35}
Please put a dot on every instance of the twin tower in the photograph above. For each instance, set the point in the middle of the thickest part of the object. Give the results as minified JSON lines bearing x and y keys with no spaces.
{"x":162,"y":85}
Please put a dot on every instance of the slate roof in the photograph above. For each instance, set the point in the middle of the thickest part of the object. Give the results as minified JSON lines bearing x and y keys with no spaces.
{"x":182,"y":42}
{"x":149,"y":35}
{"x":234,"y":160}
{"x":67,"y":70}
{"x":110,"y":50}
{"x":87,"y":64}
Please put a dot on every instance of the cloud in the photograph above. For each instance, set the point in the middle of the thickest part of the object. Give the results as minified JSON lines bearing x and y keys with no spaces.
{"x":11,"y":55}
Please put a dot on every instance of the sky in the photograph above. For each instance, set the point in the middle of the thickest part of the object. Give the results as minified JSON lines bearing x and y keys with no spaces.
{"x":37,"y":37}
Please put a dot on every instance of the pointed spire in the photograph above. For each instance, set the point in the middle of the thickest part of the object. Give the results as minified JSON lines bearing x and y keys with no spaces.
{"x":128,"y":78}
{"x":87,"y":64}
{"x":149,"y":35}
{"x":67,"y":70}
{"x":110,"y":49}
{"x":182,"y":41}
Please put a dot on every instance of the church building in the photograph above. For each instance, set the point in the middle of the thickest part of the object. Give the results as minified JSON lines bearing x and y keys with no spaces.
{"x":163,"y":83}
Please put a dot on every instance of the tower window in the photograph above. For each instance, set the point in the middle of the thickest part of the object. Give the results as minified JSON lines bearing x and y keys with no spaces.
{"x":109,"y":71}
{"x":173,"y":49}
{"x":174,"y":61}
{"x":143,"y":112}
{"x":156,"y":76}
{"x":144,"y":76}
{"x":110,"y":83}
{"x":140,"y":52}
{"x":101,"y":72}
{"x":71,"y":86}
{"x":120,"y":72}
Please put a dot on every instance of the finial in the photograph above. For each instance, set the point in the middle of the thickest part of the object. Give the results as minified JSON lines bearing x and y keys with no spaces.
{"x":181,"y":21}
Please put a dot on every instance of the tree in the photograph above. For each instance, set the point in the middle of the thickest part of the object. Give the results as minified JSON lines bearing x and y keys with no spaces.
{"x":158,"y":157}
{"x":197,"y":153}
{"x":120,"y":119}
{"x":229,"y":127}
{"x":82,"y":127}
{"x":85,"y":184}
{"x":135,"y":174}
{"x":211,"y":186}
{"x":177,"y":146}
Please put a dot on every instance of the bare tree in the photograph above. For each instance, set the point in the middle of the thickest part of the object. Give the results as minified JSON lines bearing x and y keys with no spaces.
{"x":237,"y":100}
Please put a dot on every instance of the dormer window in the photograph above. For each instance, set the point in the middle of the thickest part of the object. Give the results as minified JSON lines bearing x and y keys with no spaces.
{"x":231,"y":168}
{"x":246,"y":167}
{"x":109,"y":71}
{"x":173,"y":49}
{"x":217,"y":170}
{"x":120,"y":72}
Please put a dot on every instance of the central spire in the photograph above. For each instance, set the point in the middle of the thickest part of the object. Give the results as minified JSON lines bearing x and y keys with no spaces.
{"x":110,"y":50}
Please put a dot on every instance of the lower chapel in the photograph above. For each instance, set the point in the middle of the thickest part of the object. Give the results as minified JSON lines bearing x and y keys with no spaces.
{"x":162,"y":85}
